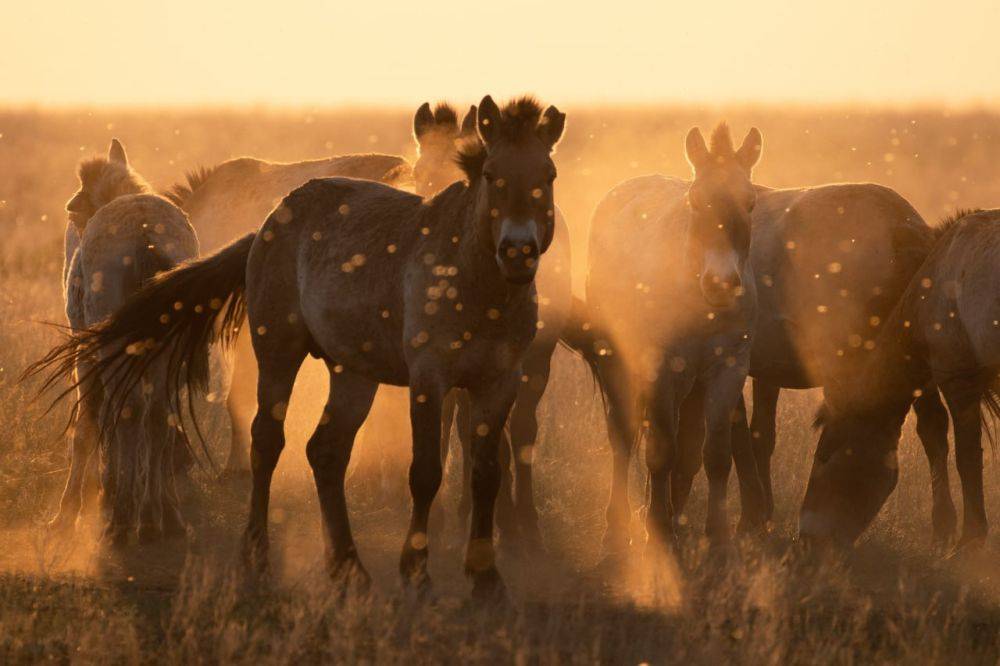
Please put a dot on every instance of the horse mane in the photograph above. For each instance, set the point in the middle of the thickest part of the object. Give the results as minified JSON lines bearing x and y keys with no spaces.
{"x":180,"y":193}
{"x":124,"y":179}
{"x":950,"y":222}
{"x":721,"y":143}
{"x":518,"y":118}
{"x":445,"y":114}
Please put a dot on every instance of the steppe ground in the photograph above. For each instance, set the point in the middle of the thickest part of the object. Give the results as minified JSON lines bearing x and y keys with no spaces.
{"x":893,"y":600}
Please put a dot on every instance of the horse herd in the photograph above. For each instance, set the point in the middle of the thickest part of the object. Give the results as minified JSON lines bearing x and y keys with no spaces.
{"x":461,"y":292}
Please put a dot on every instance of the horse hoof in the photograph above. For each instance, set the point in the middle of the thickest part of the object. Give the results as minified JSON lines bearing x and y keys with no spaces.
{"x":488,"y":587}
{"x":966,"y":547}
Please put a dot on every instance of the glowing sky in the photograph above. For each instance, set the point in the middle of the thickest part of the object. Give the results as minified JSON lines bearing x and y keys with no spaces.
{"x":303,"y":52}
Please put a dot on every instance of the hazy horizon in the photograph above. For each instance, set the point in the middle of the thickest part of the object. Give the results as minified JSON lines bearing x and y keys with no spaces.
{"x":316,"y":53}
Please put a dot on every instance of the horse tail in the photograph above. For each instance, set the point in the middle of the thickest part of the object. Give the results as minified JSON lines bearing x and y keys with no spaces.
{"x":991,"y":406}
{"x":175,"y":316}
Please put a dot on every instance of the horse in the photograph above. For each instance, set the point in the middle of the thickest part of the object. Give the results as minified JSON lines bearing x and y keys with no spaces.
{"x":119,"y":236}
{"x":230,"y":199}
{"x":385,"y":287}
{"x":439,"y":136}
{"x":945,"y":331}
{"x":670,"y":282}
{"x":829,"y":262}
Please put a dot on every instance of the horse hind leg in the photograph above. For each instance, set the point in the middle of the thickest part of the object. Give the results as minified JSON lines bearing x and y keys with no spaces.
{"x":279,"y":358}
{"x":963,"y":398}
{"x":83,"y":447}
{"x":932,"y":429}
{"x":329,"y":453}
{"x":239,"y":404}
{"x":121,"y":487}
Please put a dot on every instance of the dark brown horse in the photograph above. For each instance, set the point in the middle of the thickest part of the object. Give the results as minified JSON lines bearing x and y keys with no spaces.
{"x":385,"y":287}
{"x":439,"y":137}
{"x":670,"y":284}
{"x":944,"y":331}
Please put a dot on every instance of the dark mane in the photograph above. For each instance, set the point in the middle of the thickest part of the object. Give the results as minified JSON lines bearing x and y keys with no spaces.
{"x":445,"y":114}
{"x":471,"y":157}
{"x":519,"y":118}
{"x":124,"y":179}
{"x":948,"y":223}
{"x":180,"y":193}
{"x":721,"y":141}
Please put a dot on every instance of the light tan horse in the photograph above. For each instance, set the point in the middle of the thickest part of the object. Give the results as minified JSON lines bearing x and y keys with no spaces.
{"x":119,"y":237}
{"x":230,"y":199}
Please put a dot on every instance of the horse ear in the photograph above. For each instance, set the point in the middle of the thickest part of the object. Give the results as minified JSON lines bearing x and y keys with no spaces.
{"x":423,"y":120}
{"x":695,"y":149}
{"x":551,"y":126}
{"x":469,"y":122}
{"x":488,"y":120}
{"x":116,"y":153}
{"x":749,"y":153}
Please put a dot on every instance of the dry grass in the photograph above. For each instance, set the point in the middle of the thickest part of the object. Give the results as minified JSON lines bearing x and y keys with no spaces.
{"x":894,"y":600}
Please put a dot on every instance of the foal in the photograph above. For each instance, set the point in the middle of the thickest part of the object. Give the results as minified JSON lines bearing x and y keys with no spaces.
{"x":385,"y":287}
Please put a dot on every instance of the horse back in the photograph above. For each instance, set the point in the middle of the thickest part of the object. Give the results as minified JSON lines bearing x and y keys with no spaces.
{"x":830,"y":263}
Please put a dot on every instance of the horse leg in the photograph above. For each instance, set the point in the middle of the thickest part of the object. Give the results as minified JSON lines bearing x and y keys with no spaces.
{"x":932,"y":429}
{"x":121,"y":465}
{"x":763,"y":435}
{"x":523,"y":438}
{"x":329,"y":452}
{"x":622,"y":435}
{"x":239,"y":404}
{"x":448,"y":405}
{"x":490,"y":407}
{"x":425,"y":476}
{"x":723,"y":389}
{"x":753,"y":501}
{"x":278,"y":363}
{"x":463,"y":426}
{"x":963,"y":400}
{"x":662,"y":455}
{"x":690,"y":439}
{"x":82,"y":449}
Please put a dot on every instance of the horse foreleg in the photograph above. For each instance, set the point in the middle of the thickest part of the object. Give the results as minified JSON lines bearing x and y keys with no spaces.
{"x":932,"y":429}
{"x":753,"y":502}
{"x":763,"y":434}
{"x":690,"y":439}
{"x":490,"y":407}
{"x":425,"y":476}
{"x":723,"y":391}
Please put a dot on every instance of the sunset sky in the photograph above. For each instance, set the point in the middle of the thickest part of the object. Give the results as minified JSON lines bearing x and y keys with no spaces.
{"x":309,"y":52}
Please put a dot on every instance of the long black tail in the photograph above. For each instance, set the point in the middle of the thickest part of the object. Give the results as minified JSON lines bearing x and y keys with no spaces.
{"x":179,"y":313}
